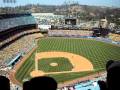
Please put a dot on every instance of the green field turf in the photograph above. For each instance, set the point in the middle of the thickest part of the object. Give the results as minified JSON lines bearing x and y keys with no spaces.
{"x":63,"y":65}
{"x":97,"y":52}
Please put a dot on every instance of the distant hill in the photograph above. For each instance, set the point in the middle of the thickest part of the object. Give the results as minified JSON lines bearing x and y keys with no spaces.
{"x":56,"y":9}
{"x":81,"y":11}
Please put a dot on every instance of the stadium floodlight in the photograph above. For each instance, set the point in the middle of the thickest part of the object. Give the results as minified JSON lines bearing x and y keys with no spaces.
{"x":9,"y":1}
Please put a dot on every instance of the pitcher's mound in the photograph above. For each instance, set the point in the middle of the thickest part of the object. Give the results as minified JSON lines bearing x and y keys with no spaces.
{"x":53,"y":64}
{"x":37,"y":73}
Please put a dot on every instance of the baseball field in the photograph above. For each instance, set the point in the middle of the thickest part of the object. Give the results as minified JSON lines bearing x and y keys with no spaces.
{"x":67,"y":58}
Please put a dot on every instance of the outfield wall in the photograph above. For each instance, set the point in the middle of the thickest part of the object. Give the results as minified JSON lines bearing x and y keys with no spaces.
{"x":75,"y":33}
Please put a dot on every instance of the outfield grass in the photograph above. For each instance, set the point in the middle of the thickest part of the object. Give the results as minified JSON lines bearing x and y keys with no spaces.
{"x":97,"y":52}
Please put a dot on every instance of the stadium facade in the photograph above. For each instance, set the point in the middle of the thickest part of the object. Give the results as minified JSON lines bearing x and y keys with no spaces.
{"x":12,"y":28}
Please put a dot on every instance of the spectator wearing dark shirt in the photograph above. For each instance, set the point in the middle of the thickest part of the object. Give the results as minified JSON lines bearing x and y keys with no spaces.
{"x":4,"y":83}
{"x":40,"y":83}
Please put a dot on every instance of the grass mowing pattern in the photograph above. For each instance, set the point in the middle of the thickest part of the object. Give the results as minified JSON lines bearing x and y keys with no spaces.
{"x":63,"y":65}
{"x":97,"y":52}
{"x":70,"y":76}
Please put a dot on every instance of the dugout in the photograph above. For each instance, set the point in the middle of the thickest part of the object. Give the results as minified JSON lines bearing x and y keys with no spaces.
{"x":12,"y":62}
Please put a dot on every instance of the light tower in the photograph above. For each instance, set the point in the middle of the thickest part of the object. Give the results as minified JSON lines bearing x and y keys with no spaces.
{"x":70,"y":18}
{"x":69,"y":8}
{"x":9,"y":9}
{"x":9,"y":1}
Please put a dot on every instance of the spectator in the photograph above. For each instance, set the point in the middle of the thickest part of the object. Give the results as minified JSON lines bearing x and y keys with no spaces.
{"x":4,"y":83}
{"x":102,"y":85}
{"x":113,"y":76}
{"x":109,"y":63}
{"x":41,"y":83}
{"x":26,"y":85}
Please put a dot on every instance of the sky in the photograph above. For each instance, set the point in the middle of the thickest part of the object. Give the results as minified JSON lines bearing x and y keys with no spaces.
{"x":109,"y":3}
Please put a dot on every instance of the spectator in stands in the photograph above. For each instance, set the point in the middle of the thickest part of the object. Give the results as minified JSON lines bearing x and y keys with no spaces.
{"x":109,"y":63}
{"x":102,"y":85}
{"x":26,"y":85}
{"x":40,"y":83}
{"x":113,"y":76}
{"x":4,"y":83}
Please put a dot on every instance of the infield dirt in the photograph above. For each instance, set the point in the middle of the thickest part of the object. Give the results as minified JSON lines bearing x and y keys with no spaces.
{"x":79,"y":63}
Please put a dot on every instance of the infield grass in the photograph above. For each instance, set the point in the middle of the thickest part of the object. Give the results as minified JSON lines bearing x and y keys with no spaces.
{"x":63,"y":65}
